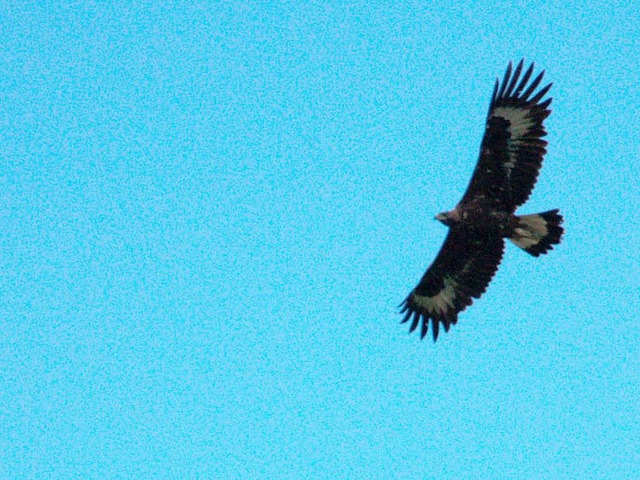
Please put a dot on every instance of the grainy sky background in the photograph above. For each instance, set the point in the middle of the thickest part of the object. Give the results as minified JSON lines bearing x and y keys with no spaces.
{"x":210,"y":211}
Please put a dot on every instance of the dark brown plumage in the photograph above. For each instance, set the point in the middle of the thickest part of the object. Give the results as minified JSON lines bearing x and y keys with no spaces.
{"x":511,"y":156}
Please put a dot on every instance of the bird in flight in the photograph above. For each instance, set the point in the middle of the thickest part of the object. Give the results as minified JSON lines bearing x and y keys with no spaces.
{"x":511,"y":156}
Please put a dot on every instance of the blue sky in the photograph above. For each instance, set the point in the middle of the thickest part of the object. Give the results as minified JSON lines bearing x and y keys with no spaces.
{"x":210,"y":212}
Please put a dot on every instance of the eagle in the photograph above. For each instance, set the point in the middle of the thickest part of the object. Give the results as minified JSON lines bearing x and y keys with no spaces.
{"x":511,"y":156}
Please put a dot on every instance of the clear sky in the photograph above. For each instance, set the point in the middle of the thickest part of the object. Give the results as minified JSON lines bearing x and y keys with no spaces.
{"x":211,"y":210}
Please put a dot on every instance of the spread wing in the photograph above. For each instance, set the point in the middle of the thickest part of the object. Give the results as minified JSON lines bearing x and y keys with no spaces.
{"x":463,"y":268}
{"x":512,"y":148}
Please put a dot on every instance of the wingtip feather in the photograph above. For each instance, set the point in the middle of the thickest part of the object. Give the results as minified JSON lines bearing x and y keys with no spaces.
{"x":525,"y":79}
{"x":534,"y":84}
{"x":414,"y":322}
{"x":425,"y":327}
{"x":505,"y":80}
{"x":514,"y":80}
{"x":435,"y":327}
{"x":541,"y":94}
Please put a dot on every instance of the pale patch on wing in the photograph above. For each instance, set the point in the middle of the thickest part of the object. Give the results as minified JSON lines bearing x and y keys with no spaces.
{"x":518,"y":117}
{"x":520,"y":123}
{"x":442,"y":302}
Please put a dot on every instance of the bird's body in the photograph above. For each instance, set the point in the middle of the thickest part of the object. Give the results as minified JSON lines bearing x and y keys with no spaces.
{"x":510,"y":158}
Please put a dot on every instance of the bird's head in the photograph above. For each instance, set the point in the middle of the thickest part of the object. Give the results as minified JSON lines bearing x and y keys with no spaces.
{"x":448,"y":218}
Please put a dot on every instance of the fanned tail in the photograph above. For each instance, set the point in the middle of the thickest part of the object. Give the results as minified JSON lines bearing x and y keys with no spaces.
{"x":537,"y":233}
